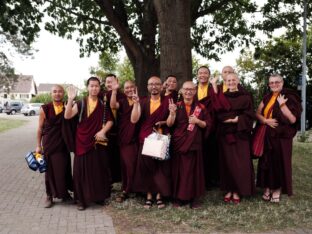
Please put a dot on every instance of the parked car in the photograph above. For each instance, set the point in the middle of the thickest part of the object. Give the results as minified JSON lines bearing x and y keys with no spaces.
{"x":12,"y":107}
{"x":1,"y":108}
{"x":31,"y":109}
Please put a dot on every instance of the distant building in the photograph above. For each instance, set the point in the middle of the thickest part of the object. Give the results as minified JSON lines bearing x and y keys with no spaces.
{"x":46,"y":87}
{"x":24,"y":88}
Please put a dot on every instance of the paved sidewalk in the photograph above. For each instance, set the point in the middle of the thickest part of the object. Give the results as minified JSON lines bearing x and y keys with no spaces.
{"x":22,"y":193}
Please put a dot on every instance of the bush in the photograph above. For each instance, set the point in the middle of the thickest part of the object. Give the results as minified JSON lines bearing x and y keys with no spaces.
{"x":42,"y":98}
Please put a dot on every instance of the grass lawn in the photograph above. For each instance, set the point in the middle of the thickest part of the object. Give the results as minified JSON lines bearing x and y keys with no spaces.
{"x":251,"y":215}
{"x":6,"y":124}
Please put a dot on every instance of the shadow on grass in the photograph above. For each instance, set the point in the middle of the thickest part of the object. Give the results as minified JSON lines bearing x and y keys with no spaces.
{"x":251,"y":215}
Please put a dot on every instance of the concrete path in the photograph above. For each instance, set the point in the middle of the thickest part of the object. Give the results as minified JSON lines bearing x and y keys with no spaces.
{"x":22,"y":192}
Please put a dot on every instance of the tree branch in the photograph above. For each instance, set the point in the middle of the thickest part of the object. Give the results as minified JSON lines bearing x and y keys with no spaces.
{"x":71,"y":11}
{"x":212,"y":8}
{"x":123,"y":31}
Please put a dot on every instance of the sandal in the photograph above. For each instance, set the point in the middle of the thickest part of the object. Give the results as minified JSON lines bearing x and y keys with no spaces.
{"x":122,"y":197}
{"x":266,"y":197}
{"x":148,"y":203}
{"x":160,"y":204}
{"x":275,"y":199}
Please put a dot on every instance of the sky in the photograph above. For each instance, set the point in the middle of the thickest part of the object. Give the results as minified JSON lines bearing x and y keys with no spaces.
{"x":57,"y":61}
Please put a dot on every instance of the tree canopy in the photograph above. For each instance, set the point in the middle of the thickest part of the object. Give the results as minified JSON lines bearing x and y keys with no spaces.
{"x":282,"y":55}
{"x":19,"y":26}
{"x":140,"y":26}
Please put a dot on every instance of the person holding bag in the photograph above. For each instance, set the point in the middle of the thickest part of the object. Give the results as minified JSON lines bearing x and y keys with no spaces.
{"x":280,"y":112}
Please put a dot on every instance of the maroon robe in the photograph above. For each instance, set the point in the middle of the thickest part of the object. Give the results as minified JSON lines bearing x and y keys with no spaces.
{"x":92,"y":178}
{"x":236,"y":169}
{"x":174,"y":95}
{"x":210,"y":146}
{"x":187,"y":160}
{"x":152,"y":175}
{"x":58,"y":178}
{"x":274,"y":167}
{"x":128,"y":145}
{"x":113,"y":147}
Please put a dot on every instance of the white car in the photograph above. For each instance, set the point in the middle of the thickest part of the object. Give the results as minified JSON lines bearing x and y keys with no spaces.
{"x":31,"y":109}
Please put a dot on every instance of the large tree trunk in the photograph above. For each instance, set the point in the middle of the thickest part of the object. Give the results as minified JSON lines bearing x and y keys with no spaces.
{"x":144,"y":67}
{"x":174,"y":18}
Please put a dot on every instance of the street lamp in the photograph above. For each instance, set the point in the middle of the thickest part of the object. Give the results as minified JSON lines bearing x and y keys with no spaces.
{"x":304,"y":68}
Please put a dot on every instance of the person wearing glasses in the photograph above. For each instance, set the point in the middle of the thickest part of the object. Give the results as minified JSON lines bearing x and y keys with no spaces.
{"x":280,"y":110}
{"x":190,"y":121}
{"x":152,"y":177}
{"x":235,"y":115}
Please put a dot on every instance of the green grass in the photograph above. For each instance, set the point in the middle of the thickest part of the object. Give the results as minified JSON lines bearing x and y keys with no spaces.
{"x":251,"y":215}
{"x":6,"y":124}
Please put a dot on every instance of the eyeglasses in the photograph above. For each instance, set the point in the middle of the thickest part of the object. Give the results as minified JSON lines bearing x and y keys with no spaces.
{"x":154,"y":84}
{"x":188,"y":90}
{"x":275,"y":82}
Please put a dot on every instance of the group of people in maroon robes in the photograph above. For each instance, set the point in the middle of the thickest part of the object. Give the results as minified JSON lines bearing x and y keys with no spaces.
{"x":210,"y":126}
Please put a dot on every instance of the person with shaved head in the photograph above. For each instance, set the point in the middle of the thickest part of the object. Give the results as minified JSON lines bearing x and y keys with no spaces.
{"x":127,"y":134}
{"x":190,"y":122}
{"x":235,"y":115}
{"x":51,"y":143}
{"x":152,"y":176}
{"x":210,"y":150}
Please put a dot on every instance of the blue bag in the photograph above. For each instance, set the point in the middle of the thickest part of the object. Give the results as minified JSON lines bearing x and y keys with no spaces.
{"x":31,"y":161}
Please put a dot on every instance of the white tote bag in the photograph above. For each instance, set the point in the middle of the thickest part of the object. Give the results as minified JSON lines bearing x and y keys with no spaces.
{"x":157,"y":146}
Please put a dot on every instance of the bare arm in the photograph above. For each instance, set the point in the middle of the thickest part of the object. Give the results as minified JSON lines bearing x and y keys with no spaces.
{"x":271,"y":122}
{"x":172,"y":113}
{"x":214,"y":84}
{"x":200,"y":123}
{"x":39,"y":130}
{"x":285,"y":110}
{"x":135,"y":113}
{"x":101,"y":135}
{"x":70,"y":110}
{"x":113,"y":101}
{"x":136,"y":109}
{"x":258,"y":113}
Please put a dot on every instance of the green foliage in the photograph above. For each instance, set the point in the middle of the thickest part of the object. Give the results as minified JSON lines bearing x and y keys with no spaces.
{"x":94,"y":23}
{"x":45,"y":98}
{"x":125,"y":71}
{"x":42,"y":98}
{"x":19,"y":26}
{"x":109,"y":63}
{"x":281,"y":55}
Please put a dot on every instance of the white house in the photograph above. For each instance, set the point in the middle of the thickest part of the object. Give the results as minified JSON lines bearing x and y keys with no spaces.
{"x":23,"y":89}
{"x":46,"y":87}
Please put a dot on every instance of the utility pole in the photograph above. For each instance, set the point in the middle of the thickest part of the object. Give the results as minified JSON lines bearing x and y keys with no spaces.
{"x":304,"y":68}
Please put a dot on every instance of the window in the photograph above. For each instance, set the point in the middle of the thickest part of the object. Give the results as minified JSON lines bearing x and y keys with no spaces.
{"x":24,"y":96}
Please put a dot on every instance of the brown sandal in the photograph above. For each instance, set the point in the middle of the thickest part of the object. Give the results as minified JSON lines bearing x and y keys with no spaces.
{"x":160,"y":204}
{"x":148,"y":203}
{"x":266,"y":197}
